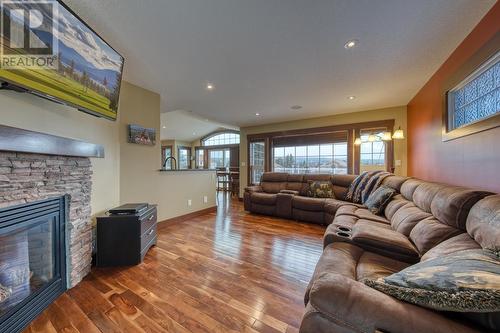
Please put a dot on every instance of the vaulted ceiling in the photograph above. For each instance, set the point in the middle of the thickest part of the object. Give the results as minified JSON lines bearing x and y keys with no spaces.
{"x":264,"y":56}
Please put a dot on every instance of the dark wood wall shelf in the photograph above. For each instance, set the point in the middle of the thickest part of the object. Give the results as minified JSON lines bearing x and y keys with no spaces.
{"x":25,"y":141}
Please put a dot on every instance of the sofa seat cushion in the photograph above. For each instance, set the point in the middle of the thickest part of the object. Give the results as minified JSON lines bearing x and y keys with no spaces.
{"x":372,"y":266}
{"x":361,"y":212}
{"x":384,"y":241}
{"x":458,"y":243}
{"x":309,"y":204}
{"x":340,"y":230}
{"x":354,"y":263}
{"x":261,"y":198}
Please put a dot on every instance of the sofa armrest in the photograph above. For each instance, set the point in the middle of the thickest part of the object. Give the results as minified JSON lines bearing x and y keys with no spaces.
{"x":256,"y":188}
{"x":292,"y":192}
{"x":359,"y":308}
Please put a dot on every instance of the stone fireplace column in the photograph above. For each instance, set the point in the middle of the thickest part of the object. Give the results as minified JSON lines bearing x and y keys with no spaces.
{"x":28,"y":177}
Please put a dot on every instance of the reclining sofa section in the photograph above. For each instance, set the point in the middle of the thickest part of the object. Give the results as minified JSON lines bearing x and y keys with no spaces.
{"x":423,"y":221}
{"x":283,"y":195}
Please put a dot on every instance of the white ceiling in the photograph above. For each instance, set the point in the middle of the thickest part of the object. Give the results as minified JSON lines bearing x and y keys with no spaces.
{"x":187,"y":126}
{"x":267,"y":55}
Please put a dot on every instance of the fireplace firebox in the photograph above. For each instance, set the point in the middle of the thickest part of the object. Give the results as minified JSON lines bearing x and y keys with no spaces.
{"x":32,"y":260}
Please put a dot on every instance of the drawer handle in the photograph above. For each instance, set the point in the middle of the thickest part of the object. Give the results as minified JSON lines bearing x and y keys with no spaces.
{"x":151,"y":231}
{"x":151,"y":217}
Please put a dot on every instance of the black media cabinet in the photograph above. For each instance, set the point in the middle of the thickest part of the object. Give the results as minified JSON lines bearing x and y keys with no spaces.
{"x":124,"y":239}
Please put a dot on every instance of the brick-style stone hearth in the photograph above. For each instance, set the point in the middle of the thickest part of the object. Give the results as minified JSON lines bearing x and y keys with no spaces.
{"x":31,"y":177}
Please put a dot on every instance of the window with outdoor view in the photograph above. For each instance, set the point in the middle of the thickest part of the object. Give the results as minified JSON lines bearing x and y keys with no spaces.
{"x":316,"y":158}
{"x":184,"y":157}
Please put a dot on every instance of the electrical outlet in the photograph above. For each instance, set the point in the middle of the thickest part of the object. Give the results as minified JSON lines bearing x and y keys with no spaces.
{"x":398,"y":163}
{"x":205,"y":199}
{"x":190,"y":202}
{"x":243,"y":164}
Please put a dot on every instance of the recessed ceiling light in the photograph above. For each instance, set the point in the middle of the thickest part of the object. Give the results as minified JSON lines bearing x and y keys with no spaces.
{"x":296,"y":107}
{"x":257,"y":114}
{"x":164,"y":126}
{"x":210,"y":86}
{"x":351,"y":43}
{"x":351,"y":98}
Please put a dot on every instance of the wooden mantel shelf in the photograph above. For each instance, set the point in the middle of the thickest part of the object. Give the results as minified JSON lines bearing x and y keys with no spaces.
{"x":20,"y":140}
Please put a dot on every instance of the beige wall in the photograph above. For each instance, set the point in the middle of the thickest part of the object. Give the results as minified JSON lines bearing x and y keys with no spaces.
{"x":140,"y":179}
{"x":129,"y":172}
{"x":34,"y":113}
{"x":396,"y":113}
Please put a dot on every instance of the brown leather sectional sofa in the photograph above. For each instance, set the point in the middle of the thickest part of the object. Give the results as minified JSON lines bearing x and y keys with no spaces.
{"x":423,"y":221}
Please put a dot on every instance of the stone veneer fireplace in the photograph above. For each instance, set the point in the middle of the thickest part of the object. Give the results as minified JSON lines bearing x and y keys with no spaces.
{"x":45,"y":220}
{"x":31,"y":177}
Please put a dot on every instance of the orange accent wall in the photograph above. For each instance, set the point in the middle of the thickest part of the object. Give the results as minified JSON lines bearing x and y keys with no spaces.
{"x":472,"y":161}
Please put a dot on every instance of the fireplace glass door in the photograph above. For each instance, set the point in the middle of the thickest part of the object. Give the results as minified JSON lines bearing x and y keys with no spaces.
{"x":27,"y":260}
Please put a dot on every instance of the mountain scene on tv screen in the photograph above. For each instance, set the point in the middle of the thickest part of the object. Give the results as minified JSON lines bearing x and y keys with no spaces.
{"x":88,"y":72}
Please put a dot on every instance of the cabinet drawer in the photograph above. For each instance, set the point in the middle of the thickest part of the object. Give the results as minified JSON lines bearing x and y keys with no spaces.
{"x":148,"y":221}
{"x":148,"y":237}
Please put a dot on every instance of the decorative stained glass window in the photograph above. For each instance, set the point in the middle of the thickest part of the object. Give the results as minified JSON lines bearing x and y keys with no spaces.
{"x":477,"y":97}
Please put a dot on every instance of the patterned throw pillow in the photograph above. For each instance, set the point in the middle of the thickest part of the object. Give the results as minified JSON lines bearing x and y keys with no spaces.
{"x":4,"y":293}
{"x":320,"y":189}
{"x":378,"y":200}
{"x":465,"y":281}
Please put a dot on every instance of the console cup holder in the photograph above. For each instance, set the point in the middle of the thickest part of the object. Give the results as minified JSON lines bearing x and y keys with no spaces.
{"x":345,"y":229}
{"x":343,"y":234}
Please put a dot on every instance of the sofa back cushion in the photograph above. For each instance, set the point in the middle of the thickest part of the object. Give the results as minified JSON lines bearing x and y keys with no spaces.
{"x":430,"y":232}
{"x":451,"y":205}
{"x":273,"y":182}
{"x":341,"y":184}
{"x":407,"y":217}
{"x":430,"y":213}
{"x":294,"y":182}
{"x":394,"y":182}
{"x":424,"y":195}
{"x":483,"y":222}
{"x":409,"y":187}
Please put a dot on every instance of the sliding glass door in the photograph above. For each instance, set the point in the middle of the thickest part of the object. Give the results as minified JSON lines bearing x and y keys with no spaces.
{"x":219,"y":158}
{"x":373,"y":151}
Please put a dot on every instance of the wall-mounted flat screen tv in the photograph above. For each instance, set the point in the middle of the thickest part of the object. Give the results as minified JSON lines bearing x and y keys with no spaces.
{"x":49,"y":51}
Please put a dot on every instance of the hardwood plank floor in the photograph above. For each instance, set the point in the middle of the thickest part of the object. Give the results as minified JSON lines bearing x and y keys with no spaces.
{"x":228,"y":271}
